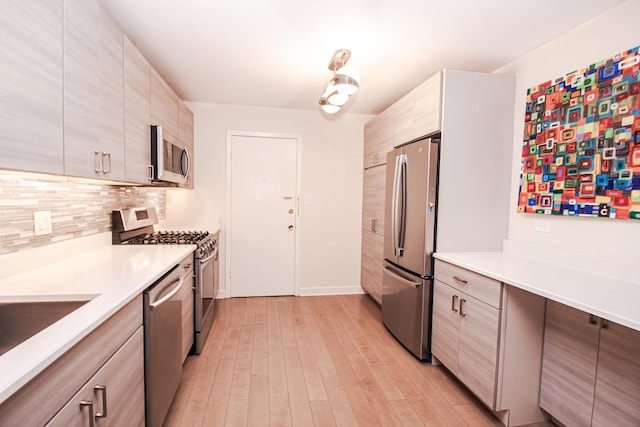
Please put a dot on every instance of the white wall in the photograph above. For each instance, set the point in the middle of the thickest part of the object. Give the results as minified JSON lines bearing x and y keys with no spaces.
{"x":330,"y":212}
{"x":601,"y":38}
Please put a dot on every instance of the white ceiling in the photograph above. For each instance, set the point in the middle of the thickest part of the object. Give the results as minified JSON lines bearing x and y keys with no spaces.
{"x":274,"y":53}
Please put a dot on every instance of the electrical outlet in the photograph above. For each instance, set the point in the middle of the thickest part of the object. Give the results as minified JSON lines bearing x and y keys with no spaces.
{"x":42,"y":222}
{"x":542,"y":226}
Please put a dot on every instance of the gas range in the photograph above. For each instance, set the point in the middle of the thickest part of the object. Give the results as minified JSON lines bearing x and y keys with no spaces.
{"x":136,"y":227}
{"x":168,"y":238}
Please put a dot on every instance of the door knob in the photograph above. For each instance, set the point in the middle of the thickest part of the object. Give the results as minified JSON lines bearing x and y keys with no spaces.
{"x":290,"y":227}
{"x":291,"y":211}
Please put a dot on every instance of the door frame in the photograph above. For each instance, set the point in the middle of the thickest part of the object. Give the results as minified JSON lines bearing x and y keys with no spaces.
{"x":228,"y":257}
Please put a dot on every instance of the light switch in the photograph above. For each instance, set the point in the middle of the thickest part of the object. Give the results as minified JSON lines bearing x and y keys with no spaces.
{"x":42,"y":222}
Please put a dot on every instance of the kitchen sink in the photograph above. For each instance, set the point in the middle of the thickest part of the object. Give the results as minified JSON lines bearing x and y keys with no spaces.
{"x":19,"y":321}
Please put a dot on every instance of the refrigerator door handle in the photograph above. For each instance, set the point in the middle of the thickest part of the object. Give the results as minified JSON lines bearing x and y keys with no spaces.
{"x":405,"y":280}
{"x":398,"y":200}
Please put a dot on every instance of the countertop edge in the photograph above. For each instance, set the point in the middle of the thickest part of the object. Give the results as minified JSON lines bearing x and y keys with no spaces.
{"x":27,"y":360}
{"x":549,"y":281}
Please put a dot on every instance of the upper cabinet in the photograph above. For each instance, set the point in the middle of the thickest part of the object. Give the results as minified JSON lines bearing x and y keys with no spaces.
{"x":137,"y":115}
{"x":378,"y":138}
{"x":164,"y":106}
{"x":93,"y":99}
{"x":418,"y":113}
{"x":76,"y":95}
{"x":31,"y":85}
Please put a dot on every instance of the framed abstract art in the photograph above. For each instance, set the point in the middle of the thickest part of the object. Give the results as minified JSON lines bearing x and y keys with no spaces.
{"x":581,"y":145}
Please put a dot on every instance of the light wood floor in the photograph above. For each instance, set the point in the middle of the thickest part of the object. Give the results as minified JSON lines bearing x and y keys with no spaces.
{"x":314,"y":361}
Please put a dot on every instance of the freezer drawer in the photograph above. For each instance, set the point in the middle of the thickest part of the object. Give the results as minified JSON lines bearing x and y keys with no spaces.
{"x":406,"y":305}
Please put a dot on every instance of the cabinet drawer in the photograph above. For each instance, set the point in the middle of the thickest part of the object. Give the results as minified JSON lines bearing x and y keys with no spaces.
{"x":478,"y":286}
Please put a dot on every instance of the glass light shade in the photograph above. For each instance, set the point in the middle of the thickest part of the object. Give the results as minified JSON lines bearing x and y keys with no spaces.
{"x":347,"y":80}
{"x":328,"y":107}
{"x":337,"y":98}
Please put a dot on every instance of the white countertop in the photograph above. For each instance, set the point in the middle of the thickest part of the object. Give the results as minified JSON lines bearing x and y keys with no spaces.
{"x":612,"y":298}
{"x":108,"y":276}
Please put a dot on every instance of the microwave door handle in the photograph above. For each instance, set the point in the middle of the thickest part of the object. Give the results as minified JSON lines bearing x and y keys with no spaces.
{"x":185,"y":154}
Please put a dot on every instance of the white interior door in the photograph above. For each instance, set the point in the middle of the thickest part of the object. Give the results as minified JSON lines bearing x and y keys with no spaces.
{"x":263,"y":189}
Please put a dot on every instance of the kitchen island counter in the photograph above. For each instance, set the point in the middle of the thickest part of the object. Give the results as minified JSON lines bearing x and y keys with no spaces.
{"x":107,"y":276}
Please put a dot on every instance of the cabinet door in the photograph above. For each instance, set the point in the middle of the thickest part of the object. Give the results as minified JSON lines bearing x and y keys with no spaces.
{"x":426,"y":107}
{"x":137,"y":115}
{"x":81,"y":87}
{"x":111,"y":97}
{"x":371,"y":155}
{"x":121,"y":402}
{"x":386,"y":129}
{"x":371,"y":264}
{"x":618,"y":378}
{"x":164,"y":106}
{"x":187,"y":299}
{"x":373,"y":199}
{"x":569,"y":364}
{"x":445,"y":325}
{"x":478,"y":348}
{"x":31,"y":85}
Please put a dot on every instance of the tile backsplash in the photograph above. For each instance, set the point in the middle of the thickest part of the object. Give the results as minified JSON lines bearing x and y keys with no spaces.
{"x":77,"y":208}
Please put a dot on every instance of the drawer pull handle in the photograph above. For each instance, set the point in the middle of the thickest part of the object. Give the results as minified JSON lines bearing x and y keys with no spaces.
{"x":458,"y":279}
{"x":89,"y":404}
{"x":103,"y":390}
{"x":605,"y":324}
{"x":462,"y":301}
{"x":453,"y":303}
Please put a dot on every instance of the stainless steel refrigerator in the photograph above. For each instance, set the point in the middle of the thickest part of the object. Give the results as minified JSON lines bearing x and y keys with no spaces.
{"x":409,"y":243}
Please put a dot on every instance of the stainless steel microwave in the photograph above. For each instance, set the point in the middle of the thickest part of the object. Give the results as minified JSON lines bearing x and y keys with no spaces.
{"x":170,"y":161}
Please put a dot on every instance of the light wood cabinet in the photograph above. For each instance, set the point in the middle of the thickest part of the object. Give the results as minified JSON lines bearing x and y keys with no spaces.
{"x":465,"y":338}
{"x":188,"y":327}
{"x":490,"y":335}
{"x":378,"y":138}
{"x":137,"y":115}
{"x":373,"y":198}
{"x":371,"y":265}
{"x":111,"y":98}
{"x":39,"y":400}
{"x":31,"y":85}
{"x":114,"y":396}
{"x":418,"y":113}
{"x":77,"y":94}
{"x":590,"y":375}
{"x":93,"y":99}
{"x":164,"y":106}
{"x":618,"y":377}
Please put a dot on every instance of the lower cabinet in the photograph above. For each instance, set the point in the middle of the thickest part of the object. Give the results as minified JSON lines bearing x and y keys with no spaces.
{"x":590,"y":369}
{"x":188,"y":327}
{"x":489,"y":335}
{"x":371,"y":264}
{"x":114,"y":395}
{"x":465,"y":339}
{"x":112,"y":356}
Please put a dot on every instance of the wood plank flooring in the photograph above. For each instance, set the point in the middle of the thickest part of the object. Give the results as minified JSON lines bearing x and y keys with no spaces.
{"x":314,"y":361}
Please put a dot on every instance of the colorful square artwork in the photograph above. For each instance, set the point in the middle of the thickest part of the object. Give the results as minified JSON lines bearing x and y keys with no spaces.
{"x":581,"y":145}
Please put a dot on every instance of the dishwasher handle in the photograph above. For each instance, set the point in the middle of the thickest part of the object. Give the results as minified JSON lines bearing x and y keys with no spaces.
{"x":155,"y":304}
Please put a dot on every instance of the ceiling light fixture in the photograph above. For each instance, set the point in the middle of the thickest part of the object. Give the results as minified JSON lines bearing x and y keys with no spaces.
{"x":345,"y":82}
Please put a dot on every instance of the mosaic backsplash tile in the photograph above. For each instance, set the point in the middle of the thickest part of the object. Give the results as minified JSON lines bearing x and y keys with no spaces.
{"x":77,"y":209}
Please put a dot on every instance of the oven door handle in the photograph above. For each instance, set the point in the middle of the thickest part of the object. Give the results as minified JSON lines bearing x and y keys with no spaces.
{"x":213,"y":255}
{"x":168,"y":296}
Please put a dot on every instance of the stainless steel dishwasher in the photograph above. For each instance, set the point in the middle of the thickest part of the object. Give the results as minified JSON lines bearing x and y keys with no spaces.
{"x":163,"y":341}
